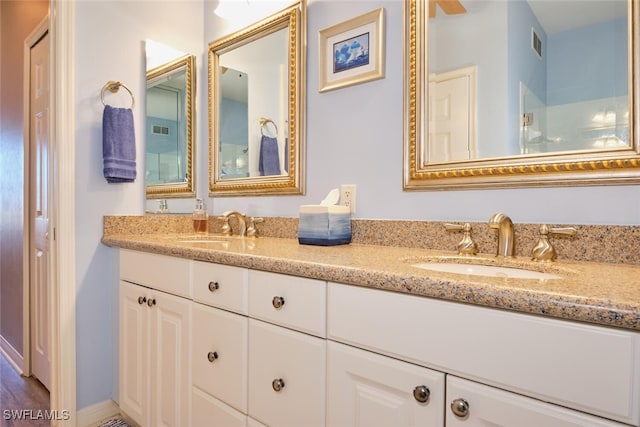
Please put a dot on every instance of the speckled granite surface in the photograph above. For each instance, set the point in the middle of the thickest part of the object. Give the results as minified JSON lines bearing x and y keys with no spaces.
{"x":593,"y":243}
{"x":601,"y":293}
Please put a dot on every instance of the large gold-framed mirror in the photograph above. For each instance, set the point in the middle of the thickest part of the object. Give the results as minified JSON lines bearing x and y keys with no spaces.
{"x":566,"y":113}
{"x":170,"y":130}
{"x":256,"y":108}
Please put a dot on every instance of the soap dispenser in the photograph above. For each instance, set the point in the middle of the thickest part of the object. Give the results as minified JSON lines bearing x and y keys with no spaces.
{"x":200,"y":218}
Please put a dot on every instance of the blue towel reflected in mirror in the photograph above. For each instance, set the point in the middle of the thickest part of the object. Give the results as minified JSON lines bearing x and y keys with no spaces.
{"x":269,"y":163}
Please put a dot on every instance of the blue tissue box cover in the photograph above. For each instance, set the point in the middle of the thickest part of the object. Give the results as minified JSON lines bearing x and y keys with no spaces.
{"x":324,"y":225}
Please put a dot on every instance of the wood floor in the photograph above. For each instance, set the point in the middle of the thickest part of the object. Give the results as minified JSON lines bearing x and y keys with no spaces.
{"x":22,"y":398}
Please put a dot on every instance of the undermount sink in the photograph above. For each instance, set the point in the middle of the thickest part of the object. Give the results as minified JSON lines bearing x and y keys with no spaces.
{"x":485,"y":270}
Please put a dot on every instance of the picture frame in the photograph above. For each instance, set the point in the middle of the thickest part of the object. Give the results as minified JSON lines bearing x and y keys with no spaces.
{"x":352,"y":52}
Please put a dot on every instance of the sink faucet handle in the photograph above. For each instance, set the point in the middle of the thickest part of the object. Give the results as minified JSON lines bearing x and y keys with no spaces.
{"x":544,"y":250}
{"x":252,"y":231}
{"x":466,"y":246}
{"x":226,"y":228}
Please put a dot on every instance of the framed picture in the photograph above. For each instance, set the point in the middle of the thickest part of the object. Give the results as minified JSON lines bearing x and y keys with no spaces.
{"x":352,"y":52}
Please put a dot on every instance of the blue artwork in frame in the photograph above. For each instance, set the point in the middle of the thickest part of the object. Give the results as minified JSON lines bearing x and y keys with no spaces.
{"x":351,"y":53}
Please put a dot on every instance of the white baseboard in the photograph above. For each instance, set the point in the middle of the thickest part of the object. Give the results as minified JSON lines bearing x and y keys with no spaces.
{"x":96,"y":413}
{"x":14,"y":358}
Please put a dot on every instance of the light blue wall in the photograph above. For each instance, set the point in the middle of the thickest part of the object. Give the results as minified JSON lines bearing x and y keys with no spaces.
{"x":354,"y":136}
{"x":109,"y":45}
{"x":524,"y":65}
{"x":459,"y":41}
{"x":588,"y":63}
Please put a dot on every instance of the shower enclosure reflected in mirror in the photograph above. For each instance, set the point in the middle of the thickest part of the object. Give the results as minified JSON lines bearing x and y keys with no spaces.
{"x":169,"y":129}
{"x":256,"y":108}
{"x":520,"y":93}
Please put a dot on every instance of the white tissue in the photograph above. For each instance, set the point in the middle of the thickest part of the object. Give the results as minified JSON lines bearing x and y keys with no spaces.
{"x":332,"y":198}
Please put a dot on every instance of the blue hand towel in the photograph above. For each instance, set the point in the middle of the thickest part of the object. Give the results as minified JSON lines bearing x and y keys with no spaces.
{"x":118,"y":145}
{"x":269,"y":162}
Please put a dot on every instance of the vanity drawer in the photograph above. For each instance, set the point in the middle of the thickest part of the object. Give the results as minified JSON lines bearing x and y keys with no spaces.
{"x":294,"y":302}
{"x":220,"y":286}
{"x":162,"y":272}
{"x":299,"y":360}
{"x":220,"y":354}
{"x":580,"y":366}
{"x":209,"y":411}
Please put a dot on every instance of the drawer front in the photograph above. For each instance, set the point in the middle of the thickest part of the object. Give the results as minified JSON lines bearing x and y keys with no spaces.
{"x":299,"y":361}
{"x":366,"y":389}
{"x":209,"y":411}
{"x":165,"y":273}
{"x":219,"y":357}
{"x":488,"y":406}
{"x":294,"y":302}
{"x":220,"y":286}
{"x":580,"y":366}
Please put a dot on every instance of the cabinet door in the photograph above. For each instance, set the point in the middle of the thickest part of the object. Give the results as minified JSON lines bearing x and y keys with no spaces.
{"x":170,"y":357}
{"x":286,"y":376}
{"x":366,"y":389}
{"x":134,"y":352}
{"x":491,"y":407}
{"x":209,"y":411}
{"x":220,"y":354}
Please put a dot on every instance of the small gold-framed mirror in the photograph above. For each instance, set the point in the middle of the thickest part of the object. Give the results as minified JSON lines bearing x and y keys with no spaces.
{"x":256,"y":108}
{"x":170,"y":130}
{"x":565,"y":114}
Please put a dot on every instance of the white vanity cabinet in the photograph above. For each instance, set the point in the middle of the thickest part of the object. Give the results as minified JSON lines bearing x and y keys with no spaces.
{"x":220,"y":340}
{"x":366,"y":389}
{"x":476,"y":405}
{"x":287,"y":350}
{"x":207,"y":344}
{"x":154,"y":354}
{"x":586,"y":368}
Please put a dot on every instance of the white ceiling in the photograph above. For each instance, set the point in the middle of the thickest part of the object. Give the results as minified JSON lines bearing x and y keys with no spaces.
{"x":562,"y":15}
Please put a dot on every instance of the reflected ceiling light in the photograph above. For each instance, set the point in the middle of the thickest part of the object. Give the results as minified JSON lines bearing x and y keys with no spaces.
{"x":232,"y":9}
{"x":159,"y":53}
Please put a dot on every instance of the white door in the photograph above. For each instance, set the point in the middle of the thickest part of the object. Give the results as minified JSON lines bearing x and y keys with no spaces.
{"x":451,"y":116}
{"x":365,"y":389}
{"x":39,"y":256}
{"x":478,"y":405}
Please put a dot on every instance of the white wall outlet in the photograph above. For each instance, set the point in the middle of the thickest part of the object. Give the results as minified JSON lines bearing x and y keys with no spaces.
{"x":348,"y":196}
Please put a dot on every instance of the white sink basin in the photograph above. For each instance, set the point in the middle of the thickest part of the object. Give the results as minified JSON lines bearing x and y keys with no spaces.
{"x":485,"y":270}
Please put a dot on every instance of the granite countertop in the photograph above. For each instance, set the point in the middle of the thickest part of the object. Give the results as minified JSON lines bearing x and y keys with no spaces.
{"x":604,"y":294}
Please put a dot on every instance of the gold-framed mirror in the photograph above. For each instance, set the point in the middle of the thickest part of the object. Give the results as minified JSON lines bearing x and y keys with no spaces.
{"x":576,"y":122}
{"x":256,"y":108}
{"x":170,"y":130}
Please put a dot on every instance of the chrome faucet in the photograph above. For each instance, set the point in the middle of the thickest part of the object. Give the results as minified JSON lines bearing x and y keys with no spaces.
{"x":506,"y":237}
{"x":242,"y":222}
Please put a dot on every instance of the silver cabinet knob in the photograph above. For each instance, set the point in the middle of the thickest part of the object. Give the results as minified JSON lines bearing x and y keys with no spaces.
{"x":212,"y":356}
{"x":277,"y":384}
{"x":151,"y":302}
{"x":421,"y":393}
{"x":142,"y":300}
{"x":213,"y":286}
{"x":278,"y":302}
{"x":460,"y":408}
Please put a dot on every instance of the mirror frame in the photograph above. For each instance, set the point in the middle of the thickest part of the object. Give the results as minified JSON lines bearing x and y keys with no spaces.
{"x":602,"y":167}
{"x":179,"y":189}
{"x":293,"y":183}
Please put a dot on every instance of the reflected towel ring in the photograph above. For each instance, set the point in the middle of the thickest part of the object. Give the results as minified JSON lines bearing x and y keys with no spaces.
{"x":113,"y":87}
{"x":263,"y":124}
